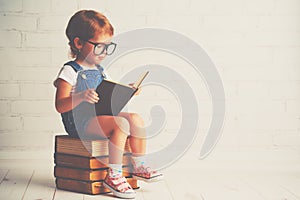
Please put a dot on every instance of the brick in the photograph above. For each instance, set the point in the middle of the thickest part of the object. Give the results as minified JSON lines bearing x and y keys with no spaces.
{"x":180,"y":23}
{"x":286,"y":56}
{"x":6,"y":75}
{"x":279,"y":23}
{"x":10,"y":6}
{"x":255,"y":107}
{"x":201,"y":7}
{"x":255,"y":73}
{"x":33,"y":108}
{"x":265,"y":7}
{"x":144,"y":7}
{"x":293,"y":107}
{"x":229,"y":7}
{"x":248,"y":139}
{"x":60,"y":55}
{"x":232,"y":23}
{"x":293,"y":72}
{"x":287,"y":139}
{"x":18,"y":22}
{"x":9,"y":90}
{"x":264,"y":122}
{"x":36,"y":6}
{"x":60,"y":6}
{"x":123,"y":23}
{"x":100,"y":5}
{"x":26,"y":141}
{"x":16,"y":57}
{"x":178,"y":7}
{"x":252,"y":90}
{"x":11,"y":123}
{"x":43,"y":124}
{"x":284,"y":90}
{"x":4,"y":107}
{"x":231,"y":90}
{"x":218,"y":38}
{"x":10,"y":39}
{"x":47,"y":40}
{"x":272,"y":38}
{"x":53,"y":23}
{"x":243,"y":57}
{"x":37,"y":91}
{"x":34,"y":74}
{"x":287,"y":7}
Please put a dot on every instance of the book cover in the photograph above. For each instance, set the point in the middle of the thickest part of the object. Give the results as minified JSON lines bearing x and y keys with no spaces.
{"x":114,"y":96}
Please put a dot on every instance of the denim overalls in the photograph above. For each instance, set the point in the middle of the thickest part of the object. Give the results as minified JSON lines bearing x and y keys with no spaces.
{"x":76,"y":120}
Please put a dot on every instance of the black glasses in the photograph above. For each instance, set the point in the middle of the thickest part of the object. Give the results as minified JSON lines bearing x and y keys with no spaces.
{"x":100,"y":48}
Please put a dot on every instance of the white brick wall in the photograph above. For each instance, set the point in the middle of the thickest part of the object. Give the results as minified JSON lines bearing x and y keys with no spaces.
{"x":254,"y":43}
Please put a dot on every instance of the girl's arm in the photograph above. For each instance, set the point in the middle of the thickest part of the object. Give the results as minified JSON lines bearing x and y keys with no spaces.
{"x":65,"y":102}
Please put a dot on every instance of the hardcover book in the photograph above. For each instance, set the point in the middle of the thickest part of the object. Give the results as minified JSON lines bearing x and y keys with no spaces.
{"x":74,"y":161}
{"x":85,"y":174}
{"x":114,"y":96}
{"x":87,"y":187}
{"x":83,"y":147}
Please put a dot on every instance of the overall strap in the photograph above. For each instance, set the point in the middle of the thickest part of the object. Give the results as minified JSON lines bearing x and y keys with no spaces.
{"x":101,"y":69}
{"x":74,"y":65}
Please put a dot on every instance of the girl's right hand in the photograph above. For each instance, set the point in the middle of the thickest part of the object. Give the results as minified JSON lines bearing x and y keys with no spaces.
{"x":90,"y":96}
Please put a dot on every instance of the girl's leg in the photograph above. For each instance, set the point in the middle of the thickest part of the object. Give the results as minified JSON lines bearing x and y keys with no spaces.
{"x":117,"y":130}
{"x":137,"y":138}
{"x":114,"y":128}
{"x":137,"y":141}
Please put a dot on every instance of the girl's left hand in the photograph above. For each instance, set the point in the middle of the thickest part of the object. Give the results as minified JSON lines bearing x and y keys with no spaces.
{"x":138,"y":89}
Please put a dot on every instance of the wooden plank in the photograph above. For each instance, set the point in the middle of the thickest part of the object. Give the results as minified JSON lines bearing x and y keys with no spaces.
{"x":63,"y":195}
{"x":213,"y":186}
{"x":290,"y":183}
{"x":3,"y":173}
{"x":14,"y":184}
{"x":110,"y":196}
{"x":41,"y":186}
{"x":180,"y":187}
{"x":157,"y":190}
{"x":269,"y":187}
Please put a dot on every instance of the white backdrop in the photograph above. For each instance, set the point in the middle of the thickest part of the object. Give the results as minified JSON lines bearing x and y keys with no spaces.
{"x":255,"y":45}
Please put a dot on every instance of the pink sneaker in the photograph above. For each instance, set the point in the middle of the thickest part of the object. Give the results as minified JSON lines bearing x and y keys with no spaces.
{"x":146,"y":174}
{"x":119,"y":187}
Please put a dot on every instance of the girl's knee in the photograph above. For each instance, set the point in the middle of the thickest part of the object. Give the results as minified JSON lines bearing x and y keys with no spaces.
{"x":122,"y":124}
{"x":136,"y":119}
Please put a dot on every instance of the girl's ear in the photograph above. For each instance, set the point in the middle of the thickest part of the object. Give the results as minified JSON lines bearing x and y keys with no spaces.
{"x":78,"y":43}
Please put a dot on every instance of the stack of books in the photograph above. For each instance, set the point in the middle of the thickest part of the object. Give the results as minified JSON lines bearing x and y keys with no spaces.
{"x":81,"y":165}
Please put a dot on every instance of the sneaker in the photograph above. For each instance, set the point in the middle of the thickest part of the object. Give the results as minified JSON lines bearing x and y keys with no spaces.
{"x":146,"y":174}
{"x":119,"y":187}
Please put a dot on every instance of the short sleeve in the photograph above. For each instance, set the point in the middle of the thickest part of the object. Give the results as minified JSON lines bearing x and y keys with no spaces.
{"x":68,"y":74}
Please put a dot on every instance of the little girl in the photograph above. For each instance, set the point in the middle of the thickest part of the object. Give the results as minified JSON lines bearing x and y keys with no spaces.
{"x":90,"y":34}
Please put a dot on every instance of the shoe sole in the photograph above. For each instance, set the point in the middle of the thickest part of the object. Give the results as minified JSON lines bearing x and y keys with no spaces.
{"x":120,"y":194}
{"x":149,"y":180}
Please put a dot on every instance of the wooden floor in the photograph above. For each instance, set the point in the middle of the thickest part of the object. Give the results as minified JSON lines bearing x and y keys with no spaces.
{"x":38,"y":184}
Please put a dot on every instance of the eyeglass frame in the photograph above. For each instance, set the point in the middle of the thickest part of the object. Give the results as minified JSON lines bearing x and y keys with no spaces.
{"x":104,"y":49}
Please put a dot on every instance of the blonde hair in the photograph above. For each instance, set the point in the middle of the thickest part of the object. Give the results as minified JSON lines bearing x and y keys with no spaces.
{"x":84,"y":24}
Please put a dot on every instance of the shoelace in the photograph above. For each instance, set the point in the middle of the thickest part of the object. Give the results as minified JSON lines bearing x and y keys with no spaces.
{"x":145,"y":170}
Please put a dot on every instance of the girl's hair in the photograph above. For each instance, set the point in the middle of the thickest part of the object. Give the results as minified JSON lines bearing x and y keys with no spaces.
{"x":84,"y":24}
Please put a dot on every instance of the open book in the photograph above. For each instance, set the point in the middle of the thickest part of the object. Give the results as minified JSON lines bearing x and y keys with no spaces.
{"x":114,"y":96}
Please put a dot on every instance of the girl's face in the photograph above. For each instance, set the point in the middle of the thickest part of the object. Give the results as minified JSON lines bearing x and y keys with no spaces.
{"x":87,"y":56}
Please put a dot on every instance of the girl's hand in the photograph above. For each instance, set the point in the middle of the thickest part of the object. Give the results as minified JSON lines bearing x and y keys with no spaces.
{"x":138,"y":89}
{"x":90,"y":96}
